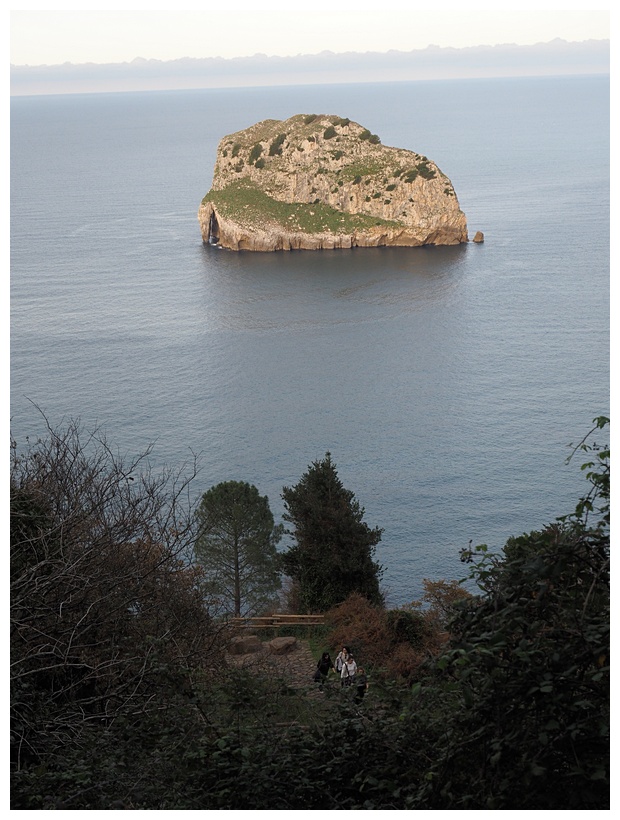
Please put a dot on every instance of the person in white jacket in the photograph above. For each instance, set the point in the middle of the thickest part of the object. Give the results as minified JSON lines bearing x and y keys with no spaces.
{"x":340,"y":659}
{"x":347,"y":673}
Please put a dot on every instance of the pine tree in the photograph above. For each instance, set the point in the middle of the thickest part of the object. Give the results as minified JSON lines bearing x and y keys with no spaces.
{"x":333,"y":554}
{"x":236,"y":546}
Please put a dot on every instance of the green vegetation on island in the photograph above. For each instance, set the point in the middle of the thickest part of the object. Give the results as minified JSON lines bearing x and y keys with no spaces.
{"x":247,"y":203}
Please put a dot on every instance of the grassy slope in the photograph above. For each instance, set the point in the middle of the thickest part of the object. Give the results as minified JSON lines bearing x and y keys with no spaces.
{"x":245,"y":203}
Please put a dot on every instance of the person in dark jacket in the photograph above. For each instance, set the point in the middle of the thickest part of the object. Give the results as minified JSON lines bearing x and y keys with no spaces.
{"x":322,"y":669}
{"x":361,"y":684}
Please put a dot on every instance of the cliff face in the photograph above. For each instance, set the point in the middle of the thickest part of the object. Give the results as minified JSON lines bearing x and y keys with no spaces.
{"x":317,"y":181}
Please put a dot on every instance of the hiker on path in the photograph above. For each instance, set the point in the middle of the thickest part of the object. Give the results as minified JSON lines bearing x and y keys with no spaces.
{"x":340,"y":658}
{"x":361,"y":684}
{"x":322,"y":669}
{"x":347,"y":673}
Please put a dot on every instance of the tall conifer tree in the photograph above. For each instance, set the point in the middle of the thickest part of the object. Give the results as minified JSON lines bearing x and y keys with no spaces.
{"x":334,"y":549}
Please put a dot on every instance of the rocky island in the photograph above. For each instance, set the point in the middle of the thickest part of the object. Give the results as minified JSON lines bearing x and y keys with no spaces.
{"x":321,"y":181}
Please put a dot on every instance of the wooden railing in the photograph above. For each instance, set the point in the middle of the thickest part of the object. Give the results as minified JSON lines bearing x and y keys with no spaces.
{"x":277,"y":620}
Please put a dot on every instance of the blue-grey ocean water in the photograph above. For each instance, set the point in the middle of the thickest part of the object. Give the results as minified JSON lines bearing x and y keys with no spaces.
{"x":446,"y":382}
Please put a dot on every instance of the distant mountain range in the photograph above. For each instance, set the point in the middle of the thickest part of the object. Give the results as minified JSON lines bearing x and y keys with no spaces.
{"x":557,"y":57}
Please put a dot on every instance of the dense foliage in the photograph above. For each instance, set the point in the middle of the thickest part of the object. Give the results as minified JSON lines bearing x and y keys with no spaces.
{"x":530,"y":658}
{"x":109,"y":631}
{"x":333,"y":553}
{"x":236,"y":545}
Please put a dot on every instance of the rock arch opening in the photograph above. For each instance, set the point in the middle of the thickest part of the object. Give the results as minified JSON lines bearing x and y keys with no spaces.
{"x":214,"y":230}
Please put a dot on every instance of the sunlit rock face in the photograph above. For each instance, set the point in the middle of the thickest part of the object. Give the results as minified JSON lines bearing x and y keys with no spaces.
{"x":318,"y":181}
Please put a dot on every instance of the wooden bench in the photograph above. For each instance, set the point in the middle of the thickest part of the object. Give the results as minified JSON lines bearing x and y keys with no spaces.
{"x":275,"y":621}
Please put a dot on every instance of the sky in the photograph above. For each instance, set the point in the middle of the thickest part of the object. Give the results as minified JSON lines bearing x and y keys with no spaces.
{"x":43,"y":36}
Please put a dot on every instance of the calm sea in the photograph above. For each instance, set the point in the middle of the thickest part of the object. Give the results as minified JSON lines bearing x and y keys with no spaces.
{"x":446,"y":382}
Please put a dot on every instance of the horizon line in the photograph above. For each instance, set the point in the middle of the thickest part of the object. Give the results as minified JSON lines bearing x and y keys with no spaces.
{"x":327,"y":52}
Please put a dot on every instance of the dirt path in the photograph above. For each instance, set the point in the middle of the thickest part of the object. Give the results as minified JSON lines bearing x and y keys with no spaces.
{"x":296,"y":667}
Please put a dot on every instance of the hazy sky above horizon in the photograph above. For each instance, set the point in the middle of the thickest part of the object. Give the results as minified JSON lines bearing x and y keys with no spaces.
{"x":53,"y":37}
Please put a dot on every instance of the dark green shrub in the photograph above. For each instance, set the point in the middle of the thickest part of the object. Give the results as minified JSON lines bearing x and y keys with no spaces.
{"x":367,"y":135}
{"x":409,"y":627}
{"x":235,"y":149}
{"x":276,"y":146}
{"x":329,"y":132}
{"x":426,"y":172}
{"x":255,"y":153}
